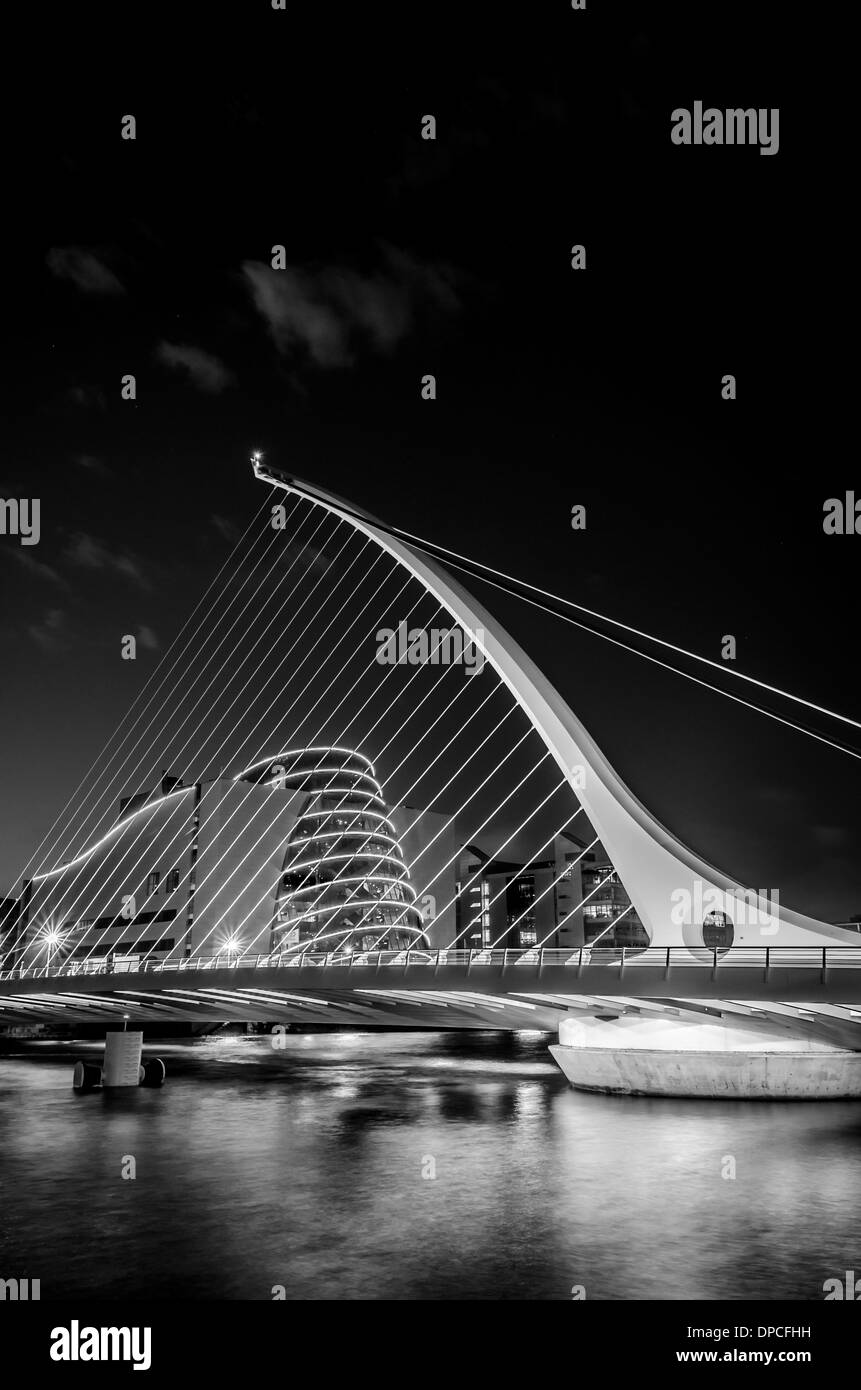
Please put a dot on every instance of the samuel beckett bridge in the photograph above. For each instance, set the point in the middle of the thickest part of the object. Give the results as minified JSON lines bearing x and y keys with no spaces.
{"x":351,"y":798}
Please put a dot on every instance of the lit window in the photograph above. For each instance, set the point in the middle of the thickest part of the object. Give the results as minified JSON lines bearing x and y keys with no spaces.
{"x":717,"y":930}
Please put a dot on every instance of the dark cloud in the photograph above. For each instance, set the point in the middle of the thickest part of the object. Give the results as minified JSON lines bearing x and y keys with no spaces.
{"x":50,"y":633}
{"x":84,"y":270}
{"x":87,"y":396}
{"x":37,"y":569}
{"x":86,"y":552}
{"x":831,"y":837}
{"x":225,"y":528}
{"x":324,"y":311}
{"x":207,"y":373}
{"x":297,"y":558}
{"x":93,"y":465}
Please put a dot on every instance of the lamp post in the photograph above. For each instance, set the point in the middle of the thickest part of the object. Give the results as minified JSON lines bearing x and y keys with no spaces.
{"x":52,"y":936}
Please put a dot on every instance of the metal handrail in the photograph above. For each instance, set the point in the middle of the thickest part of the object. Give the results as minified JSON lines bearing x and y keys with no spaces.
{"x":625,"y":957}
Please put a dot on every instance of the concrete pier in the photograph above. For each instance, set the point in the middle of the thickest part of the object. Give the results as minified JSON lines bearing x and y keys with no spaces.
{"x":645,"y":1057}
{"x":122,"y":1064}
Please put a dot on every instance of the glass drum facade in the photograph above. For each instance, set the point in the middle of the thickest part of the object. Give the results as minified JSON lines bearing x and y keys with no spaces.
{"x":344,"y":887}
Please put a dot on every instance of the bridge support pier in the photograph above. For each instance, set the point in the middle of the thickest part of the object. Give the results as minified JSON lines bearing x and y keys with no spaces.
{"x":635,"y":1056}
{"x":122,"y":1065}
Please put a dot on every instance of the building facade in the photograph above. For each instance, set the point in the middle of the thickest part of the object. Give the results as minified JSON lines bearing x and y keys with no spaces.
{"x":569,"y":899}
{"x":593,"y":907}
{"x":300,"y":847}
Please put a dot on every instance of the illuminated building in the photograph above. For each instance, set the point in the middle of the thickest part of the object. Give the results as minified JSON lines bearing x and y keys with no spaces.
{"x":300,"y":846}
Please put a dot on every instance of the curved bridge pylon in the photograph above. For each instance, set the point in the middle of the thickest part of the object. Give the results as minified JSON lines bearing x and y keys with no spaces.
{"x":659,"y":871}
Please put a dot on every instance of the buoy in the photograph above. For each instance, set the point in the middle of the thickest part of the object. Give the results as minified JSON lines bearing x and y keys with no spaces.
{"x":153,"y":1072}
{"x":86,"y":1076}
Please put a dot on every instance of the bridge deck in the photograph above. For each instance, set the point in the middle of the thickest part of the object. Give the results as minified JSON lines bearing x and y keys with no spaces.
{"x":530,"y":987}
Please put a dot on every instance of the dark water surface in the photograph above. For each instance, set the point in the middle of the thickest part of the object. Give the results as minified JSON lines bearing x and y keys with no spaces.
{"x":303,"y":1167}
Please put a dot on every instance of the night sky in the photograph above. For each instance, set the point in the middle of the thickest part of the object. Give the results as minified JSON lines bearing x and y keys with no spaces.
{"x":405,"y":257}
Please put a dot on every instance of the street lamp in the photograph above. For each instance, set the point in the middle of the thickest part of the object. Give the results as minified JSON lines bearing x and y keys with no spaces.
{"x":52,"y":938}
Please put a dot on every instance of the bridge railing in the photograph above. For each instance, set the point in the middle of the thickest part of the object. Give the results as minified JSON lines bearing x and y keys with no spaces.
{"x":666,"y":958}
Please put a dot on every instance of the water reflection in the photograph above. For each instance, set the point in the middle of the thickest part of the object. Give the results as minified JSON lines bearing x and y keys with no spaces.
{"x":413,"y":1166}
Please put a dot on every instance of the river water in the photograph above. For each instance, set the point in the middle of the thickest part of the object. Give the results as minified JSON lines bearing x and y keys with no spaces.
{"x":412,"y":1166}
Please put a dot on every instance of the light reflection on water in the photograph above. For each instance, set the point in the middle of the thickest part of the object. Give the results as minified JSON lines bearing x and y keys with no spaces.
{"x":259,"y":1166}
